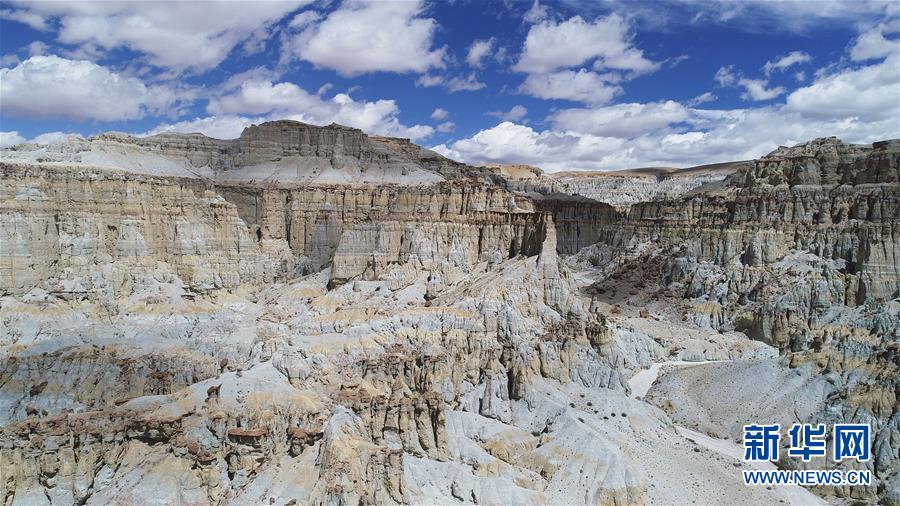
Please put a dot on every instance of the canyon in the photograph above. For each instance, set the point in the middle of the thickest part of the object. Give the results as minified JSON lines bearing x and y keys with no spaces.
{"x":310,"y":314}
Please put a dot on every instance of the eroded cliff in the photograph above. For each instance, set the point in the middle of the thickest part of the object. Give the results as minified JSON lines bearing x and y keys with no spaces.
{"x":232,"y":335}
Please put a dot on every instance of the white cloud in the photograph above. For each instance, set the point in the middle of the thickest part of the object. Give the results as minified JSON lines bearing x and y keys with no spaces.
{"x":50,"y":86}
{"x":702,"y":99}
{"x":873,"y":44}
{"x":726,"y":76}
{"x":478,"y":51}
{"x":219,"y":127}
{"x":439,"y":114}
{"x":31,"y":19}
{"x":177,"y":35}
{"x":362,"y":37}
{"x":554,"y":54}
{"x":446,"y":127}
{"x":9,"y":60}
{"x":8,"y":139}
{"x":512,"y":143}
{"x":858,"y":105}
{"x":452,"y":84}
{"x":430,"y":80}
{"x":52,"y":137}
{"x":550,"y":46}
{"x":765,"y":17}
{"x":754,"y":89}
{"x":325,"y":88}
{"x":757,"y":89}
{"x":304,"y":19}
{"x":264,"y":98}
{"x":868,"y":93}
{"x":581,"y":86}
{"x":468,"y":83}
{"x":714,"y":136}
{"x":516,"y":113}
{"x":536,"y":13}
{"x":36,"y":48}
{"x":620,"y":120}
{"x":786,"y":61}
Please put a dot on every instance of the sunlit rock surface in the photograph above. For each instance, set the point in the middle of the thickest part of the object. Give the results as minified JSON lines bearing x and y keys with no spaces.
{"x":309,"y":314}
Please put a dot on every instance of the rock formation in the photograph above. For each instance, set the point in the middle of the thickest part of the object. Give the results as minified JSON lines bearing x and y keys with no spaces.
{"x":626,"y":187}
{"x":310,"y":314}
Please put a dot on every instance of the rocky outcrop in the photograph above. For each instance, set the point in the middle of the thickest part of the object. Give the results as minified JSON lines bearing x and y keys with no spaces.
{"x":213,"y":335}
{"x":58,"y":224}
{"x":801,"y":251}
{"x":277,"y":151}
{"x":627,"y":187}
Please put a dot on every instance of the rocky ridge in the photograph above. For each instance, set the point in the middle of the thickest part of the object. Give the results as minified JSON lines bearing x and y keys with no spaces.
{"x":799,"y":251}
{"x":627,"y":187}
{"x":277,"y":151}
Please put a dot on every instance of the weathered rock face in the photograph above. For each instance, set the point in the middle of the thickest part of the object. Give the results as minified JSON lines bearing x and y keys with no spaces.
{"x":625,"y":188}
{"x":420,"y":302}
{"x":212,"y":340}
{"x":802,"y":251}
{"x":286,"y":151}
{"x":360,"y":230}
{"x":59,"y":224}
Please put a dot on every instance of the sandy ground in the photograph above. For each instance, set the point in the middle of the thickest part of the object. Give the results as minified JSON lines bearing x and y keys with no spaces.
{"x":640,"y":384}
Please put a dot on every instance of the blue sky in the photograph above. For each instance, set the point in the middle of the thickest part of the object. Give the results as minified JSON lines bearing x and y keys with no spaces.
{"x":561,"y":85}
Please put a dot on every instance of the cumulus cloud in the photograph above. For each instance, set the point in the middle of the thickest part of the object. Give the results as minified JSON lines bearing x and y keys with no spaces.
{"x":50,"y":86}
{"x":446,"y":127}
{"x":711,"y":136}
{"x":254,"y":101}
{"x":620,"y":120}
{"x":512,"y":143}
{"x":219,"y":127}
{"x":758,"y":89}
{"x":550,"y":46}
{"x":536,"y":13}
{"x":786,"y":61}
{"x":554,"y":56}
{"x":581,"y":86}
{"x":193,"y":36}
{"x":873,"y":44}
{"x":439,"y":114}
{"x":31,"y":19}
{"x":362,"y":37}
{"x":726,"y":76}
{"x":855,"y":104}
{"x":754,"y":89}
{"x":516,"y":113}
{"x":8,"y":139}
{"x":478,"y":51}
{"x":868,"y":93}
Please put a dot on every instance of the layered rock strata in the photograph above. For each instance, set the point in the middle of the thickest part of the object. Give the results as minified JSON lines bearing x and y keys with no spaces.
{"x":277,"y":151}
{"x":801,"y":251}
{"x":202,"y":338}
{"x":58,"y":224}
